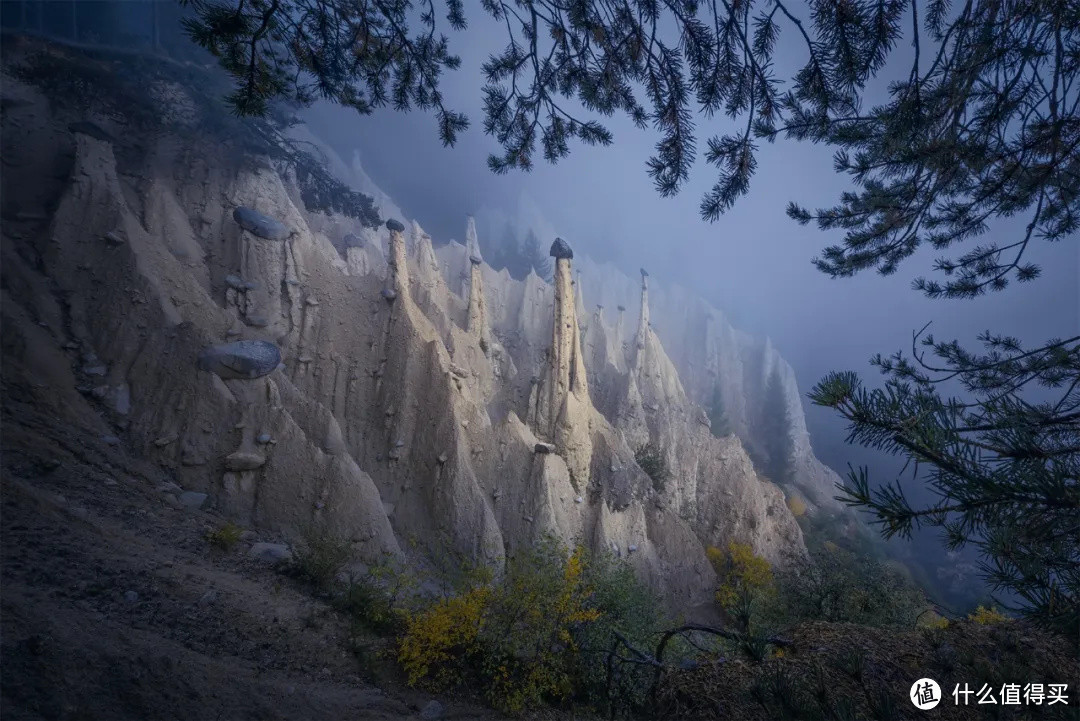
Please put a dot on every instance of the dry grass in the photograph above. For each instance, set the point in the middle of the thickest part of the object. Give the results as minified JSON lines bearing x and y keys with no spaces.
{"x":840,"y":671}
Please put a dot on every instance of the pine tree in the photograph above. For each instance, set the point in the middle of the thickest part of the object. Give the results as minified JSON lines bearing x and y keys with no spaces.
{"x":534,"y":257}
{"x":718,"y":419}
{"x":776,"y":431}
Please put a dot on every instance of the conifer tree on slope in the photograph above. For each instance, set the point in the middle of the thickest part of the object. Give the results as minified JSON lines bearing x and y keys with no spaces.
{"x":776,"y":432}
{"x":535,"y":256}
{"x":979,"y":124}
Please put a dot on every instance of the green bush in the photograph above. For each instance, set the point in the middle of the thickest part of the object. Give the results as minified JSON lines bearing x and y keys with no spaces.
{"x":318,"y":558}
{"x":225,"y":537}
{"x":628,"y":609}
{"x":378,"y":600}
{"x":835,"y":585}
{"x":650,"y":457}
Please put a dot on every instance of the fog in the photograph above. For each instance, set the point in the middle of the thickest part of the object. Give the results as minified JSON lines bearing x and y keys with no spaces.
{"x":754,"y":262}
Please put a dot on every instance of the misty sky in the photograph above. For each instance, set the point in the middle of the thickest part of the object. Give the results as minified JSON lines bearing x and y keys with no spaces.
{"x":754,"y":262}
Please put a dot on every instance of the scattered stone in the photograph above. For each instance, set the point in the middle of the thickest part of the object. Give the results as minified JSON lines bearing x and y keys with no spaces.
{"x":261,"y":225}
{"x":579,"y":499}
{"x":528,"y":518}
{"x":631,"y":548}
{"x":270,"y":552}
{"x":131,"y":596}
{"x":110,"y":482}
{"x":173,"y":501}
{"x":432,"y":711}
{"x":236,"y":282}
{"x":544,"y":448}
{"x":245,"y":359}
{"x":257,"y":321}
{"x":121,"y":399}
{"x":395,"y":226}
{"x":96,"y":369}
{"x":114,"y":238}
{"x":169,"y":487}
{"x":92,"y":129}
{"x":443,"y":458}
{"x":192,"y":499}
{"x":561,"y":249}
{"x":399,"y":443}
{"x":243,"y":461}
{"x":111,"y":440}
{"x":263,"y":438}
{"x":390,"y":294}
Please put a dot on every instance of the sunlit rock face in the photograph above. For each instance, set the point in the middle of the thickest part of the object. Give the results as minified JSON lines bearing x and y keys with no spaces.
{"x":559,"y":406}
{"x":420,"y":393}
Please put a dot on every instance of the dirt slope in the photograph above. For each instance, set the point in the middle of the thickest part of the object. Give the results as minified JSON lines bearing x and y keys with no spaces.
{"x":116,"y":607}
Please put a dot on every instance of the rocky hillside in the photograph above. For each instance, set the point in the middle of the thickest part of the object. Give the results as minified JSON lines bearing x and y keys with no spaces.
{"x":167,"y":287}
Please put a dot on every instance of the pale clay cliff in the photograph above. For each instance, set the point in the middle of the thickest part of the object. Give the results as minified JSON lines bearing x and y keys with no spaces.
{"x":425,"y":404}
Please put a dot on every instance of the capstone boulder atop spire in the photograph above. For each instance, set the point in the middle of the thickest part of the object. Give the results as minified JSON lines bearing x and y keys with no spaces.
{"x":261,"y":225}
{"x":561,"y":249}
{"x":395,"y":225}
{"x":644,"y":273}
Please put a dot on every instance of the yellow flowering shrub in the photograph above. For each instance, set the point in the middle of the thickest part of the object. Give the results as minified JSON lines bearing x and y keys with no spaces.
{"x":516,"y":637}
{"x":440,"y":635}
{"x":742,"y":574}
{"x":932,"y":619}
{"x":987,"y":616}
{"x":796,"y":505}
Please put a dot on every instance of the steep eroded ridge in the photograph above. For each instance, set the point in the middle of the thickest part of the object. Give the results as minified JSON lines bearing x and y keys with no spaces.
{"x":396,"y":417}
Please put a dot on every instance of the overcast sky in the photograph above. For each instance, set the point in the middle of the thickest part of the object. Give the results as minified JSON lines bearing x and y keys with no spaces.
{"x":754,"y":262}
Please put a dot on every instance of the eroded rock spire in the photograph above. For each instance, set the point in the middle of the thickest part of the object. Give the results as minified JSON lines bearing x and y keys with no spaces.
{"x":397,"y":279}
{"x":477,"y":320}
{"x":643,"y":321}
{"x":561,"y":405}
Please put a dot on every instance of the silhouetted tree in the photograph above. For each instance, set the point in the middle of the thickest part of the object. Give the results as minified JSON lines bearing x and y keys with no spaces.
{"x":535,"y":257}
{"x":718,"y":418}
{"x":776,"y":431}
